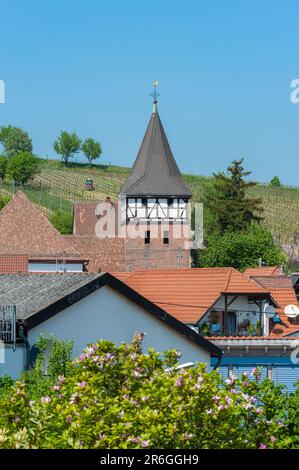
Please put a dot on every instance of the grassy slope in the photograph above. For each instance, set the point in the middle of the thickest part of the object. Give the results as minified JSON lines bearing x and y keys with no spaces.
{"x":57,"y":187}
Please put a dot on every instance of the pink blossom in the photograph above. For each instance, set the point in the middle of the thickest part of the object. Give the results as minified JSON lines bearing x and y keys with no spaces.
{"x":231,"y":380}
{"x":263,"y":446}
{"x":144,"y":443}
{"x":101,"y":436}
{"x":179,"y":382}
{"x":46,"y":399}
{"x":61,"y":379}
{"x":272,"y":439}
{"x":187,"y":436}
{"x":74,"y":398}
{"x":134,"y":440}
{"x":82,"y":384}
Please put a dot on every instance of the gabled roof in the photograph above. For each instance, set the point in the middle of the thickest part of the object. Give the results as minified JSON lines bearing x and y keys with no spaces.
{"x":155,"y":172}
{"x":188,"y":294}
{"x":25,"y":230}
{"x":39,"y":297}
{"x":263,"y":271}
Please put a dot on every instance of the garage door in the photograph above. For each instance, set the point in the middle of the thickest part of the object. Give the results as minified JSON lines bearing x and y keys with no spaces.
{"x":286,"y":375}
{"x":239,"y":370}
{"x":223,"y":371}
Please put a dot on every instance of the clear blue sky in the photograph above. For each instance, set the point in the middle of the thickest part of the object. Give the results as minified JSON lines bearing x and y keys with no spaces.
{"x":224,"y":69}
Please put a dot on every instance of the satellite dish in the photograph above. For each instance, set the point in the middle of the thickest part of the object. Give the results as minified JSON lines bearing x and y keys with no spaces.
{"x":292,"y":311}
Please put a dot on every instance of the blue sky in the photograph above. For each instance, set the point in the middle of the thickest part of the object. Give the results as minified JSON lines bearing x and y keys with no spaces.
{"x":224,"y":70}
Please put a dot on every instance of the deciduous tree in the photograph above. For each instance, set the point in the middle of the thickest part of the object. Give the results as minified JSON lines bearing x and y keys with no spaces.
{"x":67,"y":145}
{"x":14,"y":141}
{"x":91,"y":149}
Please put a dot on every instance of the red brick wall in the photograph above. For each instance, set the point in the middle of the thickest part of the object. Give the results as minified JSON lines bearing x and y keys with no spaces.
{"x":156,"y":254}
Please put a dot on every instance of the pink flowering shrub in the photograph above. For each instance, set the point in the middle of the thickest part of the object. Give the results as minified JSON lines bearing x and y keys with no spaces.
{"x":118,"y":397}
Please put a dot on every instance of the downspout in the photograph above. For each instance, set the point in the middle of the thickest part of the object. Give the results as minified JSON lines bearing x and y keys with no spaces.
{"x":26,"y":343}
{"x":220,"y":356}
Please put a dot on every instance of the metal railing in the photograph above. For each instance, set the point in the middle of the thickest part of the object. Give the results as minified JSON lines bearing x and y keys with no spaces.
{"x":8,"y":324}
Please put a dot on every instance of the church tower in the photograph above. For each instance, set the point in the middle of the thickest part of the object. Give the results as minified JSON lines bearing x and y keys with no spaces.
{"x":154,"y":202}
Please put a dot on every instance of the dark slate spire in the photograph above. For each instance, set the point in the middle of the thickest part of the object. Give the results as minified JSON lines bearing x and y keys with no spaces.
{"x":155,"y":172}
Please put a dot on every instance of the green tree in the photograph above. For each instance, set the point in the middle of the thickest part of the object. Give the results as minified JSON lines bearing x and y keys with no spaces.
{"x":241,"y":249}
{"x":62,"y":221}
{"x":3,"y":166}
{"x":22,"y":167}
{"x":67,"y":145}
{"x":91,"y":149}
{"x":14,"y":141}
{"x":275,"y":182}
{"x":228,"y":201}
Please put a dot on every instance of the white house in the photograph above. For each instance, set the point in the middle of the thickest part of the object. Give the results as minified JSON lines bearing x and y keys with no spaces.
{"x":86,"y":307}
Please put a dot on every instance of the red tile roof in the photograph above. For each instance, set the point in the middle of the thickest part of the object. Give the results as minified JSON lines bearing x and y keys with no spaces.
{"x":105,"y":254}
{"x":283,"y":293}
{"x":263,"y":271}
{"x":187,"y":294}
{"x":11,"y":264}
{"x":24,"y":230}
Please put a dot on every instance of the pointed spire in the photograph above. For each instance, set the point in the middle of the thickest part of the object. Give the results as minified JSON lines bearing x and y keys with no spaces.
{"x":155,"y":172}
{"x":155,"y":95}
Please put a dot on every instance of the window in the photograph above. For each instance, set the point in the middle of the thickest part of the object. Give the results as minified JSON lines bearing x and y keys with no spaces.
{"x":147,"y":238}
{"x":165,"y":237}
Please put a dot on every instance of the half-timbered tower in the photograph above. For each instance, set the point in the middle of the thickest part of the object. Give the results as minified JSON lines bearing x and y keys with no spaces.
{"x":154,"y":198}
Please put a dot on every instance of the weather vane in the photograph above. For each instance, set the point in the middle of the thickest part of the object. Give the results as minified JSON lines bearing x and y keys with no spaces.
{"x":155,"y":94}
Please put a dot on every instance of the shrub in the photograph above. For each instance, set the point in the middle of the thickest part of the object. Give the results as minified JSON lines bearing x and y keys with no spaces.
{"x":4,"y":199}
{"x":62,"y":221}
{"x":118,"y":397}
{"x":275,"y":182}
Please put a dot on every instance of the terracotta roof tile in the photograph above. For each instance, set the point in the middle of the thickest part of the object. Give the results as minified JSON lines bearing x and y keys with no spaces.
{"x":10,"y":264}
{"x":263,"y":271}
{"x":24,"y":230}
{"x":188,"y":293}
{"x":105,"y":254}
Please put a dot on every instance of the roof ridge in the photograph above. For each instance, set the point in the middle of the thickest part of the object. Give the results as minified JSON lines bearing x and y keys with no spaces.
{"x":228,"y":279}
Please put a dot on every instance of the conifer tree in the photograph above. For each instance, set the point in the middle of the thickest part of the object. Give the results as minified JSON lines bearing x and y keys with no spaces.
{"x":228,"y":200}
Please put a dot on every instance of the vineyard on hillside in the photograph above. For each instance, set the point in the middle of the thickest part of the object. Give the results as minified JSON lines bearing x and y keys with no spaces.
{"x":57,"y":187}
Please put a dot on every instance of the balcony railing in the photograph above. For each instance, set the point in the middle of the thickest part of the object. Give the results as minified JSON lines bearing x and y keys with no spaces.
{"x":232,"y":323}
{"x":8,"y":324}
